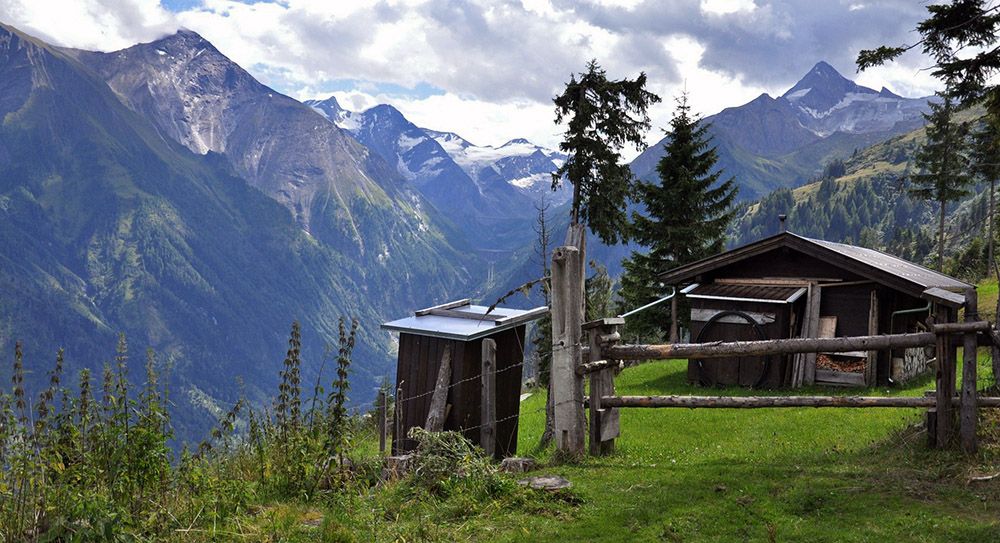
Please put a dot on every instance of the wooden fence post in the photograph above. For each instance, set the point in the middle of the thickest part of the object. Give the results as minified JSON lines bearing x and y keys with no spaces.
{"x":603,"y":421}
{"x":945,"y":382}
{"x":397,"y":419}
{"x":567,"y":318}
{"x":382,"y":412}
{"x":968,"y":412}
{"x":488,"y":414}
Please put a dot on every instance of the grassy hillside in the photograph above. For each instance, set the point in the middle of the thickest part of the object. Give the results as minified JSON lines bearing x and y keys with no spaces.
{"x":712,"y":475}
{"x":778,"y":475}
{"x":864,"y":200}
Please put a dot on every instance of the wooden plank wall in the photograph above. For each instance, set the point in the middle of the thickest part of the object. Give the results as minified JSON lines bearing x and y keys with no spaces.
{"x":416,"y":371}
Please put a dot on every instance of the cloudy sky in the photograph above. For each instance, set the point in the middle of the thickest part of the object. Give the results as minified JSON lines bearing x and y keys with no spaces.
{"x":488,"y":70}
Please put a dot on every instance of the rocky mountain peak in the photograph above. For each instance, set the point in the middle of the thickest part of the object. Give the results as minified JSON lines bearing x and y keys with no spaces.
{"x":822,"y":88}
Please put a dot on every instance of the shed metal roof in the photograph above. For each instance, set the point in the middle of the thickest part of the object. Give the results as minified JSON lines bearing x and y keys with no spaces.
{"x":463,"y":322}
{"x":762,"y":293}
{"x":869,"y":263}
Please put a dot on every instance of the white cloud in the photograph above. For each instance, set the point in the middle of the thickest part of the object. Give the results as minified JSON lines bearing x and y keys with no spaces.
{"x":499,"y":63}
{"x":98,"y":25}
{"x":725,"y":7}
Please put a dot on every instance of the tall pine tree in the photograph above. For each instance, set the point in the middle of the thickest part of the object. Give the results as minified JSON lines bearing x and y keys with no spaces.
{"x":685,"y":216}
{"x":943,"y":175}
{"x":985,"y":159}
{"x":603,"y":116}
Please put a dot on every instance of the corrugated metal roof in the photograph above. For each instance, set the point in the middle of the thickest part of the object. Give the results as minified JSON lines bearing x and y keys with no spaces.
{"x":465,"y":328}
{"x":754,"y":292}
{"x":916,"y":273}
{"x":877,"y":266}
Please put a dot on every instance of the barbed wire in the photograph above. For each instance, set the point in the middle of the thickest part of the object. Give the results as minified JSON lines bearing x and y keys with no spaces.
{"x":478,"y":377}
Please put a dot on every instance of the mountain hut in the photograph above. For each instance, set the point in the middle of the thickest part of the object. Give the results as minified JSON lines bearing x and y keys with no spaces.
{"x":789,"y":286}
{"x":460,"y":328}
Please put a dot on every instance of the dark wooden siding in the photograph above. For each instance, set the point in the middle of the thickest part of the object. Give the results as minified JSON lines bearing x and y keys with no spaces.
{"x":850,"y":304}
{"x":416,"y":372}
{"x":784,"y":262}
{"x":744,"y":371}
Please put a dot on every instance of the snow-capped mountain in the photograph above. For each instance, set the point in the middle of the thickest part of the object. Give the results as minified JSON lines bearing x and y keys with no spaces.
{"x":486,"y":204}
{"x":518,"y":162}
{"x":827,"y":102}
{"x":770,"y":143}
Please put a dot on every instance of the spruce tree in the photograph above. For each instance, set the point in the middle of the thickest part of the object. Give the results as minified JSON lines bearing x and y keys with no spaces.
{"x":603,"y":116}
{"x":985,"y":158}
{"x":943,"y":165}
{"x":685,"y":214}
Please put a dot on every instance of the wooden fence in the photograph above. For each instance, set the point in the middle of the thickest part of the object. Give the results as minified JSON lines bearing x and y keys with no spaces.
{"x":601,"y":340}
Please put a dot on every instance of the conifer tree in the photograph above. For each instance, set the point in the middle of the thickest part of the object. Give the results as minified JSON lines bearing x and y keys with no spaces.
{"x":943,"y":165}
{"x":985,"y":157}
{"x":603,"y":116}
{"x":684,"y":218}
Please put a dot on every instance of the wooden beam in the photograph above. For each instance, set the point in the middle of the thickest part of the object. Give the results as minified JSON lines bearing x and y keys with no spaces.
{"x":596,"y":391}
{"x":967,"y":411}
{"x":720,"y":349}
{"x":598,"y":365}
{"x":439,"y":399}
{"x":449,"y":305}
{"x":839,"y":378}
{"x":488,"y":413}
{"x":757,"y":402}
{"x":871,"y":365}
{"x":961,"y":327}
{"x":809,"y":366}
{"x":455,"y":314}
{"x":607,"y":321}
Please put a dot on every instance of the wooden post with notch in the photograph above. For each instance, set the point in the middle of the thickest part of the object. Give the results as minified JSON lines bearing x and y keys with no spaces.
{"x":968,"y":414}
{"x":488,"y":413}
{"x":944,"y":382}
{"x":603,"y":421}
{"x":567,"y":385}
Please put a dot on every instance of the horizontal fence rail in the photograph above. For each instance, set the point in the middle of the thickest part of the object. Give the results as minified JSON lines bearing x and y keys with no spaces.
{"x":720,"y":349}
{"x":752,"y":402}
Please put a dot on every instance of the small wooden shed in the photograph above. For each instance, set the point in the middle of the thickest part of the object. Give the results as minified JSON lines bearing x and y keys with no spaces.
{"x":460,"y":328}
{"x":791,"y":286}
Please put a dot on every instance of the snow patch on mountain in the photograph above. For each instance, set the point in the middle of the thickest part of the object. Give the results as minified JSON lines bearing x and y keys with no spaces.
{"x":518,"y":162}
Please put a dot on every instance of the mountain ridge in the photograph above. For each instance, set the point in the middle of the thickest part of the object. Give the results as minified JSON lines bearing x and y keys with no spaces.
{"x":760,"y":142}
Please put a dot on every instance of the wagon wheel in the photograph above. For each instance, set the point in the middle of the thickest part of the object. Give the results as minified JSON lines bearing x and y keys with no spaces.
{"x":703,"y":377}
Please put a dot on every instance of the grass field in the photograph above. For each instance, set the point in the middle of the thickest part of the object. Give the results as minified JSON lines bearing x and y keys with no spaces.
{"x":766,"y":475}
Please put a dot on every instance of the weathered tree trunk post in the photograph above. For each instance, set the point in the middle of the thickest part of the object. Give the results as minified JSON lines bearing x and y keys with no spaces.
{"x":945,"y":382}
{"x":603,"y":421}
{"x":439,"y":399}
{"x":567,"y":318}
{"x":488,"y":413}
{"x":968,"y":410}
{"x":382,"y":412}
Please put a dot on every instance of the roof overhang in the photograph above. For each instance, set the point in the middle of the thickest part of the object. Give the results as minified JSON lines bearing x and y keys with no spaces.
{"x":462,"y":321}
{"x":690,"y":272}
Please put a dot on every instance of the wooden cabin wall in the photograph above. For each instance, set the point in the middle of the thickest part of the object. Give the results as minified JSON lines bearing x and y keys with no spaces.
{"x":417,"y":368}
{"x":891,"y":301}
{"x":733,"y":371}
{"x":850,"y":304}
